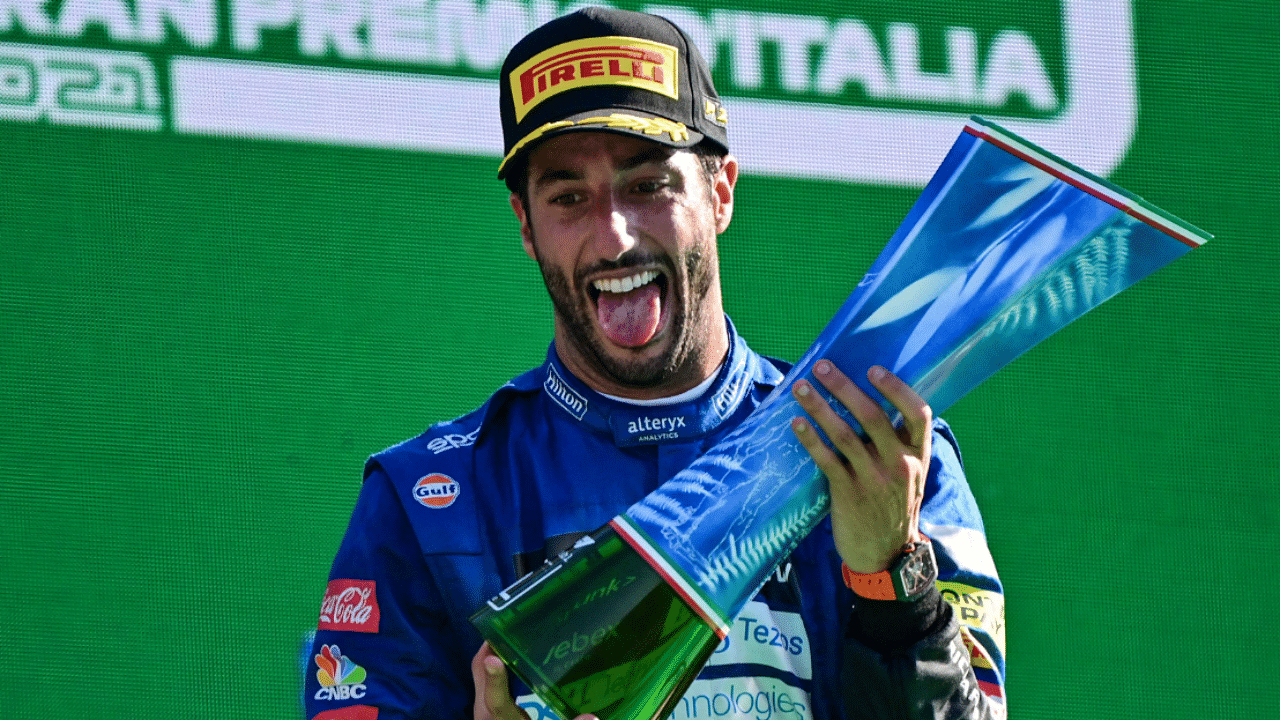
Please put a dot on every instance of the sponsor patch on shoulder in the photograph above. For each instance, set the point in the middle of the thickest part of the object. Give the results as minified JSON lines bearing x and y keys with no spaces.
{"x":452,"y":441}
{"x":350,"y":605}
{"x":351,"y":712}
{"x":984,"y":671}
{"x":340,"y":678}
{"x":436,"y":491}
{"x":980,"y":609}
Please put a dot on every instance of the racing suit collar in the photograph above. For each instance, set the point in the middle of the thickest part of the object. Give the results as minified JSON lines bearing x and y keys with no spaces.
{"x":640,"y":425}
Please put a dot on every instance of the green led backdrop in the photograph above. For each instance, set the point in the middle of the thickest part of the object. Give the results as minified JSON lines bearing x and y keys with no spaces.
{"x":245,"y":244}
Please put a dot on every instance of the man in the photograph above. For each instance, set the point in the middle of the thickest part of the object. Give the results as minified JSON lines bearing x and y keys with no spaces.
{"x":620,"y":177}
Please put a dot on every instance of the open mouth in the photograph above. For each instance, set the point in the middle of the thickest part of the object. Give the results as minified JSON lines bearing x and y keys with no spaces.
{"x":630,"y":309}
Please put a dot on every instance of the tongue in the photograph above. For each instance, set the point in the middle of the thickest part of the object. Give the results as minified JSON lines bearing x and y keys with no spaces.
{"x":630,"y":319}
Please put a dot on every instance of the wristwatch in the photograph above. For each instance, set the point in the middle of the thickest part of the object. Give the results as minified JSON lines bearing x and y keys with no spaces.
{"x":908,"y":578}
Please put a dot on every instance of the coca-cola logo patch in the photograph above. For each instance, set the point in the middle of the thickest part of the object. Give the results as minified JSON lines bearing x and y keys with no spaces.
{"x":350,"y":605}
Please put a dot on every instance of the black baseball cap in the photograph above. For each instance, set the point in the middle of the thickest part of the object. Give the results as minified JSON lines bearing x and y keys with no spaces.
{"x":608,"y":70}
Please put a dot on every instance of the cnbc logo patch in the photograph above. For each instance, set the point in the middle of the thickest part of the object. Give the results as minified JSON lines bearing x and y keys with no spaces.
{"x":340,"y":678}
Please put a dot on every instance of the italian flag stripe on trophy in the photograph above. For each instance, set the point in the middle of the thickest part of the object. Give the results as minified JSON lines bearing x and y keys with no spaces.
{"x":673,"y":576}
{"x":1005,"y":245}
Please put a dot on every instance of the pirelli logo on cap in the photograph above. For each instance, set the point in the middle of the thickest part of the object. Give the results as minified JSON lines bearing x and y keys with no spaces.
{"x":613,"y":60}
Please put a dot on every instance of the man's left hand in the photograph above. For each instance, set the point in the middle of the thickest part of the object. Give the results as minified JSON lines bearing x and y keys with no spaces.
{"x":493,"y":697}
{"x":877,"y":485}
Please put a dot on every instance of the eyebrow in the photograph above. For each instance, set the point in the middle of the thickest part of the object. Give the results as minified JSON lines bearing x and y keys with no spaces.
{"x":657,"y":154}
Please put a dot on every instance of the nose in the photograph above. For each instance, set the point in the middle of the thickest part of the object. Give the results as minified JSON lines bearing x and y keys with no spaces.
{"x":613,"y":226}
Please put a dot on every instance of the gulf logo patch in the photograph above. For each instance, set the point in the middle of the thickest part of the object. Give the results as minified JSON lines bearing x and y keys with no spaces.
{"x":436,"y":491}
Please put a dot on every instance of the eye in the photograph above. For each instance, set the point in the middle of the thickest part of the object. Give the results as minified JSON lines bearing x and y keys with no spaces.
{"x":566,"y":199}
{"x":649,"y":186}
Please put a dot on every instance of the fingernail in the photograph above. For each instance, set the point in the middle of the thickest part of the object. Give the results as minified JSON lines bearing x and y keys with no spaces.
{"x":493,"y":666}
{"x":799,"y":425}
{"x":877,"y":373}
{"x":823,"y":367}
{"x":802,"y":388}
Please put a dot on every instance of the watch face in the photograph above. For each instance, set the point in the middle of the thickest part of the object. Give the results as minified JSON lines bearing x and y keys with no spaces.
{"x":918,"y":571}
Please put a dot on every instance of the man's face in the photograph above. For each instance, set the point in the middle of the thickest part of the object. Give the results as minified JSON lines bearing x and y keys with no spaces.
{"x":624,"y":231}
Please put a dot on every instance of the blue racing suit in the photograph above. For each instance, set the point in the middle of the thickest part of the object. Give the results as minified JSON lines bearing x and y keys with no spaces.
{"x":446,"y":520}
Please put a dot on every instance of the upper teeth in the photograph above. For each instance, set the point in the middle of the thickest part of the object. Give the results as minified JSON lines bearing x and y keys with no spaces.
{"x":626,"y":284}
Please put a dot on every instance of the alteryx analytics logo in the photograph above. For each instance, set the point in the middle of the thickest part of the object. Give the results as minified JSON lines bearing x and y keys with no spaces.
{"x":874,"y":94}
{"x":340,"y":678}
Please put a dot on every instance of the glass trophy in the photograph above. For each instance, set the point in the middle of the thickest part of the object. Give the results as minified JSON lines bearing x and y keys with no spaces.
{"x":626,"y":632}
{"x":1006,"y":245}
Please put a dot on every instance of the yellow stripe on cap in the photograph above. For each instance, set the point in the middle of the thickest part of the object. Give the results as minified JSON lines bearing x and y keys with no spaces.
{"x":647,"y":126}
{"x":610,"y":60}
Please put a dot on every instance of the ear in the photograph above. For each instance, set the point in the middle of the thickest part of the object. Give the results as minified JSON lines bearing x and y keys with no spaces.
{"x":526,"y":234}
{"x":722,"y":192}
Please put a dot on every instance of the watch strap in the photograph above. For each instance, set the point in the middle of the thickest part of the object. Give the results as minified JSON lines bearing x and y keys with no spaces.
{"x":881,"y":585}
{"x":873,"y":586}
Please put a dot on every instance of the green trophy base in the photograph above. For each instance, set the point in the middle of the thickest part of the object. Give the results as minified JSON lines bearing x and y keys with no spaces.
{"x":603,"y":633}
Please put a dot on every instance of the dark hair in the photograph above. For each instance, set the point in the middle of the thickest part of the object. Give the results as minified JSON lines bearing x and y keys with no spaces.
{"x":712,"y":158}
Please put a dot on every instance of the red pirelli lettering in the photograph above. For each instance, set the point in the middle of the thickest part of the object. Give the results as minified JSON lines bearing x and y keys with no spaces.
{"x":637,"y":71}
{"x":589,"y":62}
{"x":562,"y":73}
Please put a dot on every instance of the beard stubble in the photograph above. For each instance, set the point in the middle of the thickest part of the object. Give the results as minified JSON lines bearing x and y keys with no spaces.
{"x":685,"y":293}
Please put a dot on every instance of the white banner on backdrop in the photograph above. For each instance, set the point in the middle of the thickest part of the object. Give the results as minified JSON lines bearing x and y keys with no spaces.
{"x":1091,"y":117}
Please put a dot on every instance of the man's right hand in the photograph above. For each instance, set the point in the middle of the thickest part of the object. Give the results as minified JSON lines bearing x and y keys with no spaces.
{"x":493,"y":697}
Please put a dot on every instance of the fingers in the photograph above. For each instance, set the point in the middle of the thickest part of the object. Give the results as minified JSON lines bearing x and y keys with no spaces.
{"x":496,"y":694}
{"x":493,"y":697}
{"x":824,"y":457}
{"x":844,"y":439}
{"x":917,"y":416}
{"x":846,"y":445}
{"x":876,"y":483}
